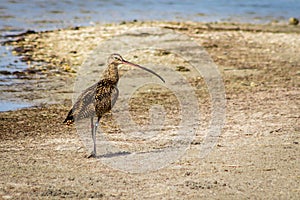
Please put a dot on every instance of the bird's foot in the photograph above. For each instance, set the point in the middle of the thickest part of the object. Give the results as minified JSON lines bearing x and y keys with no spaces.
{"x":92,"y":155}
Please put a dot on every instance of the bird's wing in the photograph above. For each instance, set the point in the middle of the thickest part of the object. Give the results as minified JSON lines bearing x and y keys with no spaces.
{"x":115,"y":95}
{"x":84,"y":105}
{"x":106,"y":96}
{"x":95,"y":100}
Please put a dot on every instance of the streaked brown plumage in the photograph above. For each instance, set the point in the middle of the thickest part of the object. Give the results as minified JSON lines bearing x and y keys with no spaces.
{"x":99,"y":98}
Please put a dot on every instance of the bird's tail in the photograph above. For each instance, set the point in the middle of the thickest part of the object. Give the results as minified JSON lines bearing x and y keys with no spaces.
{"x":70,"y":118}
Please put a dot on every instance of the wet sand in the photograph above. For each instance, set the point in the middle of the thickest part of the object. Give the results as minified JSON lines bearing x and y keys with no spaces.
{"x":257,"y":154}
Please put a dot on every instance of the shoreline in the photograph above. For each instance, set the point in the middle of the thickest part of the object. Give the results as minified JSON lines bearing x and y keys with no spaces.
{"x":61,"y":63}
{"x":254,"y":156}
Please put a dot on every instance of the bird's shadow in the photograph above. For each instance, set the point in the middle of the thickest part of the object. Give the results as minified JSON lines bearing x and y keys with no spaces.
{"x":115,"y":154}
{"x":125,"y":153}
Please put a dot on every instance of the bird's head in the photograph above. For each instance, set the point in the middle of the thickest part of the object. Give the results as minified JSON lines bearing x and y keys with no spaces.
{"x":117,"y":59}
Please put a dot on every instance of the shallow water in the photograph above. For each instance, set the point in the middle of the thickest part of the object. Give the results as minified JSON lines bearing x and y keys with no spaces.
{"x":10,"y":105}
{"x":9,"y":63}
{"x":18,"y":16}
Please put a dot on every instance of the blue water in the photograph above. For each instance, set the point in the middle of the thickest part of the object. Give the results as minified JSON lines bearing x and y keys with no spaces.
{"x":9,"y":63}
{"x":11,"y":105}
{"x":17,"y":16}
{"x":20,"y":15}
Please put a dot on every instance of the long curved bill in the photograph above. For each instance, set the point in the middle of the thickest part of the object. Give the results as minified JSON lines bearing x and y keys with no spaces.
{"x":144,"y":68}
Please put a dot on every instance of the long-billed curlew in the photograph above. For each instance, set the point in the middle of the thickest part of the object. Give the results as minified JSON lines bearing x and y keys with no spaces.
{"x":99,"y":98}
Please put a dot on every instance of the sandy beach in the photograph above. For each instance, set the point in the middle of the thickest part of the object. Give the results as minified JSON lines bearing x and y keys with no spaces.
{"x":256,"y":155}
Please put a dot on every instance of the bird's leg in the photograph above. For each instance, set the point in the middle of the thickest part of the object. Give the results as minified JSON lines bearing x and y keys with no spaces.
{"x":95,"y":131}
{"x":92,"y":125}
{"x":93,"y":154}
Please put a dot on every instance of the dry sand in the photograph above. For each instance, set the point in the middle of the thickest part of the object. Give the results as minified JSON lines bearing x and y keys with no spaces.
{"x":256,"y":156}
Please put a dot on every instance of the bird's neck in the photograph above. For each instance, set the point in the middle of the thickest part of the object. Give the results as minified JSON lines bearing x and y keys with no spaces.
{"x":111,"y":73}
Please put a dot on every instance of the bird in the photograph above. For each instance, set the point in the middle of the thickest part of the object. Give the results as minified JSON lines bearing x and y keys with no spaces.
{"x":99,"y":98}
